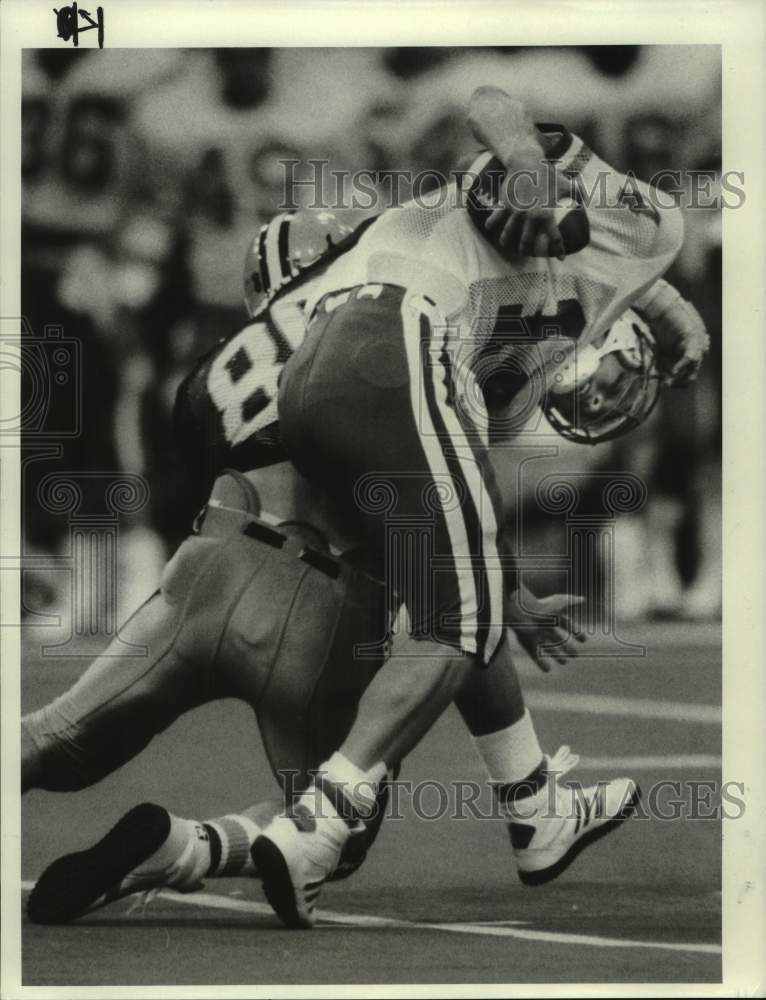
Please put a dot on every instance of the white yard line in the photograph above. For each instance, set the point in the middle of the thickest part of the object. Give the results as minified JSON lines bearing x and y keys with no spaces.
{"x":637,"y":708}
{"x":650,"y":762}
{"x":654,"y":635}
{"x":580,"y":939}
{"x":209,"y":900}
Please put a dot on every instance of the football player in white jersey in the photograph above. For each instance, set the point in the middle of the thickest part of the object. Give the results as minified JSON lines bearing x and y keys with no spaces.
{"x":220,"y":424}
{"x":403,"y":407}
{"x":300,"y":907}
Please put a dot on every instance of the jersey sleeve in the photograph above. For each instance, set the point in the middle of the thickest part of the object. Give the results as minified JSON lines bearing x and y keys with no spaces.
{"x":628,"y":218}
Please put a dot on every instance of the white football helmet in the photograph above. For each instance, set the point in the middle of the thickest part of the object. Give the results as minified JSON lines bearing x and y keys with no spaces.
{"x":605,"y":390}
{"x":286,"y":248}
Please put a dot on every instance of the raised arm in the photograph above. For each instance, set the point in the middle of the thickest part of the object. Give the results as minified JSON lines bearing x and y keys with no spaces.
{"x":526,"y":221}
{"x":503,"y":125}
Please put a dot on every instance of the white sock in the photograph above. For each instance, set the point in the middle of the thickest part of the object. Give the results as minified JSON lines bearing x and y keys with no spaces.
{"x":510,"y":754}
{"x":359,"y":787}
{"x":184,"y":857}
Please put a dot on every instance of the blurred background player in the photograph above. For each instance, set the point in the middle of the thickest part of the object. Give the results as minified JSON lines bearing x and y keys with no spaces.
{"x":674,"y":546}
{"x":77,"y":271}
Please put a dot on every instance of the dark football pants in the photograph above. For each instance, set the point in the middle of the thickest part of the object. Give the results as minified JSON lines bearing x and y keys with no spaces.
{"x":367,"y":408}
{"x":254,"y":615}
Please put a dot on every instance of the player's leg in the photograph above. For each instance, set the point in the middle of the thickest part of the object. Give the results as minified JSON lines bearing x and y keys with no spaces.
{"x":404,"y":700}
{"x":367,"y":408}
{"x":302,"y":847}
{"x":326,"y":656}
{"x":148,"y":848}
{"x":116,"y":707}
{"x":287,"y":648}
{"x":492,"y":706}
{"x":549,"y":823}
{"x":307,"y":713}
{"x":215,"y":581}
{"x":305,"y":700}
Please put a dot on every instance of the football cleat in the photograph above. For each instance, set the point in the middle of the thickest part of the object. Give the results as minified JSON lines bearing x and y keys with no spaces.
{"x":294,"y":856}
{"x":551,"y":827}
{"x":116,"y":866}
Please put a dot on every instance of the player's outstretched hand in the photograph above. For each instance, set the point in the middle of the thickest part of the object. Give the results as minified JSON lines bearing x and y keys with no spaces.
{"x":686,"y":340}
{"x":545,"y":627}
{"x":679,"y":330}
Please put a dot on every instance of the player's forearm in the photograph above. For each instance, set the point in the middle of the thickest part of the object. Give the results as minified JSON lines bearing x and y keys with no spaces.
{"x":657,"y":300}
{"x":678,"y":329}
{"x":503,"y":125}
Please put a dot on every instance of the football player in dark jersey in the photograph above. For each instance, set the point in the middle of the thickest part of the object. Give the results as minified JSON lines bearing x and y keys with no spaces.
{"x":149,"y":840}
{"x":197,"y":643}
{"x":543,"y":858}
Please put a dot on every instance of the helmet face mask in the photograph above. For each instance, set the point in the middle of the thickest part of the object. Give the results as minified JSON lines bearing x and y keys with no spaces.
{"x":614,"y":389}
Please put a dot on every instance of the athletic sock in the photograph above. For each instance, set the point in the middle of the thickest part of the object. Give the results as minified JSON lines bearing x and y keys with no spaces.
{"x":352,"y":791}
{"x":231,"y":838}
{"x":512,"y":792}
{"x":514,"y":760}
